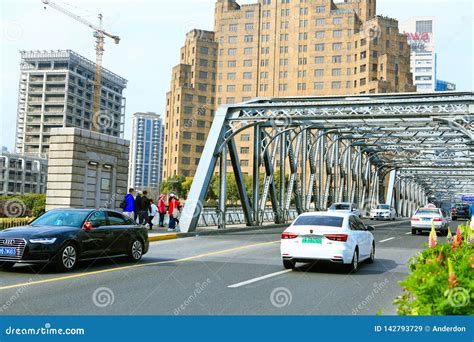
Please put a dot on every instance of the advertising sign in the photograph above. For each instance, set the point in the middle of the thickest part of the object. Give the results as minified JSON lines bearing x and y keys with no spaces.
{"x":467,"y":199}
{"x":419,"y":41}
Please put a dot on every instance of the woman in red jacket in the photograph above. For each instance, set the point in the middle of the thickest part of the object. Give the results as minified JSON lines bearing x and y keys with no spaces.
{"x":162,"y":209}
{"x":173,"y":211}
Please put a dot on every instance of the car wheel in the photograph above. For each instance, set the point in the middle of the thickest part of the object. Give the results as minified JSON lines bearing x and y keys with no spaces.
{"x":135,"y":251}
{"x":413,"y":231}
{"x":372,"y":254}
{"x":67,"y":258}
{"x":6,"y":265}
{"x":289,"y":264}
{"x":354,"y":265}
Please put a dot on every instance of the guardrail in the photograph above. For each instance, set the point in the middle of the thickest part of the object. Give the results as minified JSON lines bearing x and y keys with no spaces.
{"x":210,"y":216}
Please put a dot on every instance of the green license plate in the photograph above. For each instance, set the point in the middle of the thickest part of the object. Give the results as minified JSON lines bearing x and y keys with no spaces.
{"x":312,"y":240}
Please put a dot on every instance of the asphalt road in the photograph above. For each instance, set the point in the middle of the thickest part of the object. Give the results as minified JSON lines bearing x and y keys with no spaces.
{"x":228,"y":274}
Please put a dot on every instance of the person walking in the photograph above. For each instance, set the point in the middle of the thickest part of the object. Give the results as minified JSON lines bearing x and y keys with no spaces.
{"x":161,"y":210}
{"x":173,"y":212}
{"x":152,"y":211}
{"x":138,"y":200}
{"x":143,"y":209}
{"x":128,"y":204}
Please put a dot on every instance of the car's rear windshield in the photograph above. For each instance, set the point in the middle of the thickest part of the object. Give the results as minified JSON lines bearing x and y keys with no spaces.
{"x":61,"y":218}
{"x":383,"y":206}
{"x":326,"y":221}
{"x":427,"y":211}
{"x":340,"y":206}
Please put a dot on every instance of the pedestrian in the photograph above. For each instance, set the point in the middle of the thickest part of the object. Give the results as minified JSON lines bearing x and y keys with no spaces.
{"x":152,"y":211}
{"x":143,"y":208}
{"x":128,"y":204}
{"x":173,"y":211}
{"x":138,"y":199}
{"x":162,"y":210}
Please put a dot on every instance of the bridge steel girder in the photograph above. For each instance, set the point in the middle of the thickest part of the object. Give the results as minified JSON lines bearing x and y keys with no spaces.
{"x":340,"y":148}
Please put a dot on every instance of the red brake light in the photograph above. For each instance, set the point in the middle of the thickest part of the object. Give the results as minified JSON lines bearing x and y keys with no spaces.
{"x":415,"y":218}
{"x":286,"y":235}
{"x":437,"y":219}
{"x":336,"y":237}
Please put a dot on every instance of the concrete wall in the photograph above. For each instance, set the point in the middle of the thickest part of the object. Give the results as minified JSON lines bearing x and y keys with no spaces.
{"x":86,"y":169}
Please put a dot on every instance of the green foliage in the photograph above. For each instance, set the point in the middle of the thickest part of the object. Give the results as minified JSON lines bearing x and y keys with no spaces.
{"x":174,"y":184}
{"x":432,"y":288}
{"x":13,"y":222}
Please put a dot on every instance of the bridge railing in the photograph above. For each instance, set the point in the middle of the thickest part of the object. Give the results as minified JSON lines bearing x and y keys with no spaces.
{"x":210,"y":216}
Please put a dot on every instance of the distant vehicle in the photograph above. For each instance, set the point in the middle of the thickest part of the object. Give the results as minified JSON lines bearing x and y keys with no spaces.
{"x":460,"y":211}
{"x":345,"y":207}
{"x":424,"y":218}
{"x":336,"y":237}
{"x":383,"y":212}
{"x":65,"y":236}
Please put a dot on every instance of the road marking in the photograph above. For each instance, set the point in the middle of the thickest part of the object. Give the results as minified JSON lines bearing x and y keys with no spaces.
{"x":80,"y":275}
{"x":392,"y":238}
{"x":408,"y":233}
{"x":254,"y":280}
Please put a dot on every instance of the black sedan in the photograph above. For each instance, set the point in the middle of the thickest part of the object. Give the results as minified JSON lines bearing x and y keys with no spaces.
{"x":66,"y":236}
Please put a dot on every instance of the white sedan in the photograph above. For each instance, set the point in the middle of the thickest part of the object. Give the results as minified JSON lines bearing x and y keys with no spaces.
{"x":345,"y":207}
{"x":424,"y":218}
{"x":329,"y":236}
{"x":383,"y":212}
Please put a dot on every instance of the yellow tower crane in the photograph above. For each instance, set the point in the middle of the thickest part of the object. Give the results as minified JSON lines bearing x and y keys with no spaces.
{"x":99,"y":34}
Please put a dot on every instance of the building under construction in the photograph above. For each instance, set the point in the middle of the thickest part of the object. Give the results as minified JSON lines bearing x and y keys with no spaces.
{"x":57,"y":90}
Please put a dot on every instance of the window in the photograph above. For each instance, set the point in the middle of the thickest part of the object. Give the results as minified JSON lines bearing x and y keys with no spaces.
{"x":303,"y":10}
{"x":319,"y":72}
{"x":97,"y":218}
{"x":248,"y":51}
{"x":423,"y":69}
{"x":201,"y":124}
{"x":302,"y":48}
{"x":337,"y":33}
{"x":247,"y":75}
{"x":363,"y":54}
{"x":336,"y":46}
{"x":319,"y":59}
{"x":203,"y":74}
{"x":231,"y":75}
{"x":188,"y":110}
{"x":283,"y":87}
{"x":199,"y":148}
{"x":362,"y":81}
{"x":284,"y":37}
{"x":264,"y":74}
{"x":232,"y":39}
{"x":285,"y":12}
{"x":249,"y":26}
{"x":265,"y":50}
{"x":301,"y":73}
{"x":248,"y":38}
{"x":283,"y":61}
{"x":203,"y":62}
{"x":247,"y":87}
{"x":336,"y":85}
{"x":318,"y":85}
{"x":187,"y":135}
{"x":202,"y":86}
{"x":230,"y":88}
{"x":202,"y":99}
{"x":263,"y":87}
{"x":283,"y":49}
{"x":231,"y":64}
{"x":302,"y":61}
{"x":204,"y":50}
{"x":283,"y":74}
{"x":232,"y":52}
{"x":337,"y":20}
{"x":188,"y":97}
{"x":249,"y":14}
{"x":245,"y":137}
{"x":244,"y":162}
{"x":200,"y":136}
{"x":116,"y":219}
{"x":186,"y":160}
{"x":303,"y":36}
{"x":320,"y":22}
{"x":336,"y":59}
{"x":424,"y":26}
{"x":320,"y":9}
{"x":233,"y":27}
{"x":230,"y":100}
{"x":264,"y":62}
{"x":284,"y":25}
{"x":319,"y":47}
{"x":247,"y":62}
{"x":186,"y":148}
{"x":423,"y":78}
{"x":336,"y":72}
{"x":303,"y":23}
{"x":319,"y":34}
{"x":245,"y":150}
{"x":301,"y":86}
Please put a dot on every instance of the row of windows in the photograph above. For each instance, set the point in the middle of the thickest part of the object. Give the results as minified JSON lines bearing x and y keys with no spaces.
{"x":232,"y":88}
{"x":286,"y":24}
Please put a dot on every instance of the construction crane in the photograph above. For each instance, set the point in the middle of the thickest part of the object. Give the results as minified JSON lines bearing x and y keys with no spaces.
{"x":99,"y":34}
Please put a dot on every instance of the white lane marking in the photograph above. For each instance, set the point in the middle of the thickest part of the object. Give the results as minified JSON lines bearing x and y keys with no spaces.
{"x":254,"y":280}
{"x":392,"y":238}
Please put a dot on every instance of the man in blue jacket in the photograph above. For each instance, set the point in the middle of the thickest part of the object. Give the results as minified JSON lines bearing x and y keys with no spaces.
{"x":129,"y":204}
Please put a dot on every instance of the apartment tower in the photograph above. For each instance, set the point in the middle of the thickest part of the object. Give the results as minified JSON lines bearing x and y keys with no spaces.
{"x":146,"y":151}
{"x":56,"y":90}
{"x":303,"y":48}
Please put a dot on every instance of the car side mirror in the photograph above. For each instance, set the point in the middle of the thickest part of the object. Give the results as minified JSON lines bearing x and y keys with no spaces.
{"x":88,"y":226}
{"x":370,"y":228}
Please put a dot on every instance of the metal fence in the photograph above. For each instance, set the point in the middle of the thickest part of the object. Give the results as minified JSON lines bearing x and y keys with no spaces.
{"x":210,"y":216}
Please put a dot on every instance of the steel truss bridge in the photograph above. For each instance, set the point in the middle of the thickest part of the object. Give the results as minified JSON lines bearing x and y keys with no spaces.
{"x":400,"y":149}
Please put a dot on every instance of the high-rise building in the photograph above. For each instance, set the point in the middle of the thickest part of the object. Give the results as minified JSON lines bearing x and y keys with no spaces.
{"x":300,"y":48}
{"x":56,"y":90}
{"x":146,"y":151}
{"x":420,"y":33}
{"x":190,"y":104}
{"x":22,"y":174}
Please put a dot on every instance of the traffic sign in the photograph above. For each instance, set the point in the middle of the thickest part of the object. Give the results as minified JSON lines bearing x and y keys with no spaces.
{"x":467,"y":198}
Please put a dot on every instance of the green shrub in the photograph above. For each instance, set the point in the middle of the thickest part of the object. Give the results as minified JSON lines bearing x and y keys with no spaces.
{"x":441,"y":280}
{"x":13,"y":222}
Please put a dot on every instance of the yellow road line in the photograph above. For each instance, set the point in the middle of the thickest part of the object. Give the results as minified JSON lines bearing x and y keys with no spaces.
{"x":163,"y":237}
{"x":80,"y":275}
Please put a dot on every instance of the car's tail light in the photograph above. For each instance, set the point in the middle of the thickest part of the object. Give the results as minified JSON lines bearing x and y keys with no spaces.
{"x":437,"y":219}
{"x":415,"y":218}
{"x":286,"y":235}
{"x":336,"y":237}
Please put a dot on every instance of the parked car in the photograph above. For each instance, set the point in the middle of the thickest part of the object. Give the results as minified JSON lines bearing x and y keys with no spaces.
{"x":336,"y":237}
{"x":383,"y":212}
{"x":424,"y":218}
{"x":460,"y":211}
{"x":345,"y":207}
{"x":66,"y":236}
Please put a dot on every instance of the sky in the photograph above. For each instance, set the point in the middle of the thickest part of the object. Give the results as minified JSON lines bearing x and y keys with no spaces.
{"x":152,"y":32}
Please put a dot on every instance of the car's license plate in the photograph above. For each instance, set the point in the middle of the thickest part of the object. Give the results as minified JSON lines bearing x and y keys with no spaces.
{"x":311,"y":240}
{"x":426,"y":219}
{"x":7,"y":251}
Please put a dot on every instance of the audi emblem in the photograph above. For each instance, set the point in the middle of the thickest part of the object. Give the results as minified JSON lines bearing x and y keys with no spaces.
{"x":9,"y":242}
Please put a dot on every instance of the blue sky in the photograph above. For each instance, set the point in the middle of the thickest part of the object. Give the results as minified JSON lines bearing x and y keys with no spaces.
{"x":153,"y":31}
